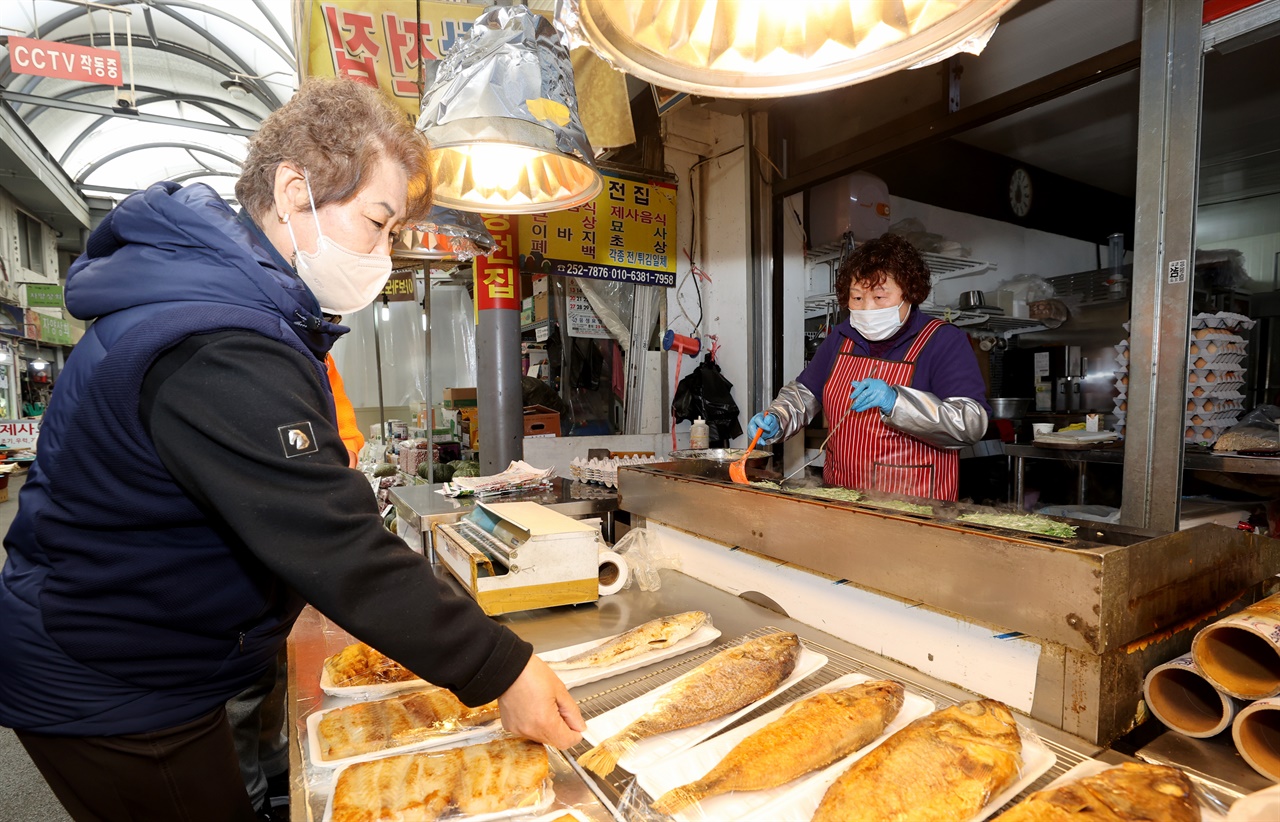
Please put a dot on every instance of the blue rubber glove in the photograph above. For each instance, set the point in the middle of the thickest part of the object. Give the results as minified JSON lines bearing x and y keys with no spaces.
{"x":873,"y":393}
{"x":766,"y":423}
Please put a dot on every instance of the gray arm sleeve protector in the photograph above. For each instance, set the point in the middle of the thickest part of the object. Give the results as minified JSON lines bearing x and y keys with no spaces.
{"x":794,"y":407}
{"x":951,"y":423}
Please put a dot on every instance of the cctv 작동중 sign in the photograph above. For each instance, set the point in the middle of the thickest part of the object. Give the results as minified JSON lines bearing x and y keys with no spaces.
{"x":45,"y":58}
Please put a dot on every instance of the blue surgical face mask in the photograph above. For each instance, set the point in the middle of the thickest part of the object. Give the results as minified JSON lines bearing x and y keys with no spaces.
{"x":877,"y":323}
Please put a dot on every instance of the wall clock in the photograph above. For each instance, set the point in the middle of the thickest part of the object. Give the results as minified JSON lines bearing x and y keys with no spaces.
{"x":1020,"y":192}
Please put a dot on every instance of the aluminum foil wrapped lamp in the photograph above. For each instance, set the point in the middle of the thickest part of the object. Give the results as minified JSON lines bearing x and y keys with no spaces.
{"x":769,"y":48}
{"x":446,"y":234}
{"x":502,"y":120}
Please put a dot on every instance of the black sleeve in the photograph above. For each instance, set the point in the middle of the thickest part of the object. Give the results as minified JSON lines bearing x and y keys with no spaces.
{"x":243,"y":424}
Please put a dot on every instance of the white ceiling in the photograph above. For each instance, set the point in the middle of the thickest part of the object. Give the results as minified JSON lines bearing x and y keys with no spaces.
{"x":181,"y":51}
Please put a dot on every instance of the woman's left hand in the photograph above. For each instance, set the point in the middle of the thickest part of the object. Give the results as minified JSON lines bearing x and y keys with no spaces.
{"x":873,"y":393}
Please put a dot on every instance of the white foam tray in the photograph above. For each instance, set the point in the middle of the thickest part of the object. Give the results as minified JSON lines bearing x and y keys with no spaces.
{"x":696,"y":762}
{"x":654,"y":749}
{"x":581,"y":676}
{"x":443,"y":740}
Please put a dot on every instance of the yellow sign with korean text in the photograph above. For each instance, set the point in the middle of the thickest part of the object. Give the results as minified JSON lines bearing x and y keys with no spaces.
{"x":626,"y":234}
{"x":379,"y":42}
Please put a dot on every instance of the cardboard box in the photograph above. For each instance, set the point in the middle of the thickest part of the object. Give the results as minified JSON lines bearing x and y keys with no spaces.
{"x":541,"y":421}
{"x":541,"y":284}
{"x":541,"y":306}
{"x":459,"y":398}
{"x":526,"y":311}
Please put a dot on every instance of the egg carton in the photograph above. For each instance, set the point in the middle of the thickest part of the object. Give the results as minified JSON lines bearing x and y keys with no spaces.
{"x":1221,"y":360}
{"x":1211,"y":417}
{"x":1217,"y":336}
{"x":1122,"y":360}
{"x":1121,"y":408}
{"x":1206,"y":433}
{"x":1232,"y":402}
{"x":1222,"y":343}
{"x":1214,"y":375}
{"x":1223,"y":319}
{"x":1122,"y":379}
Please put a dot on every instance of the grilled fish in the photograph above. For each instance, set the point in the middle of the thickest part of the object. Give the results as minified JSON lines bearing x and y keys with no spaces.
{"x":943,"y":767}
{"x":1133,"y":792}
{"x":401,"y":720}
{"x":651,"y":636}
{"x":359,"y":664}
{"x":812,"y":734}
{"x":501,"y":775}
{"x":732,"y":679}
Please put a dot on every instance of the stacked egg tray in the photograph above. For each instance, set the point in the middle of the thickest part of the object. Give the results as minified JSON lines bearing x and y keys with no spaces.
{"x":1122,"y":382}
{"x":1215,"y":375}
{"x":605,"y":471}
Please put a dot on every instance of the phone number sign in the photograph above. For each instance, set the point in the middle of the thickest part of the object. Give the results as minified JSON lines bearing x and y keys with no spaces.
{"x":626,"y":234}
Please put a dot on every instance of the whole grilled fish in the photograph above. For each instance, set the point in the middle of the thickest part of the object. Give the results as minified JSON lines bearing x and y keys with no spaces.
{"x":812,"y":734}
{"x":732,"y":679}
{"x":651,"y":636}
{"x":943,"y":767}
{"x":1133,"y":792}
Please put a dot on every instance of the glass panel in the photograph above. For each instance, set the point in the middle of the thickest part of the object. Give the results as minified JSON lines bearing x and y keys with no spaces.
{"x":1238,"y":219}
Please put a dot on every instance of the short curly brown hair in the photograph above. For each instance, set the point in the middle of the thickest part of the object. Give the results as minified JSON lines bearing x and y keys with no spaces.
{"x":338,"y":130}
{"x":874,"y":261}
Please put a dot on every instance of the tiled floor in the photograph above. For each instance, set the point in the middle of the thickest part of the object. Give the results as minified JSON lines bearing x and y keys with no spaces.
{"x":24,"y":797}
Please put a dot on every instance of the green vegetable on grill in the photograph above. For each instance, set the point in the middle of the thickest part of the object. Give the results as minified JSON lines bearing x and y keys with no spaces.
{"x":1024,"y":522}
{"x":840,"y":494}
{"x":901,"y":505}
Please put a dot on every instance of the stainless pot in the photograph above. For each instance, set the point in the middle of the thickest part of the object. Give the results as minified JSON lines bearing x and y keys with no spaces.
{"x":971,"y":299}
{"x":1009,"y":408}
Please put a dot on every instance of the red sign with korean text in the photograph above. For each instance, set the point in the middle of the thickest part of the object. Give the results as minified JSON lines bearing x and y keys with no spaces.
{"x":497,"y":275}
{"x":45,"y":58}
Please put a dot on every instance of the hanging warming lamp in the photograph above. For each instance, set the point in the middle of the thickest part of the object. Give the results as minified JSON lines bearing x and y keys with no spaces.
{"x":502,"y":120}
{"x":446,"y":234}
{"x":768,"y":48}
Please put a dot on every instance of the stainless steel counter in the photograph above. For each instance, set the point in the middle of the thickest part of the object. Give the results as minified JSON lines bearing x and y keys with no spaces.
{"x":420,"y":505}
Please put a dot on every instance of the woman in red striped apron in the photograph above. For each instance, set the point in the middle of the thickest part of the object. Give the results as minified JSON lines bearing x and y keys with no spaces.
{"x":904,"y":389}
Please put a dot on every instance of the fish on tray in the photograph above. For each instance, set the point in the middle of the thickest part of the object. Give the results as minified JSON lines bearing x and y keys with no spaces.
{"x":1133,"y":792}
{"x":811,"y":734}
{"x":505,"y":774}
{"x":730,"y":680}
{"x":655,"y":635}
{"x":943,"y":767}
{"x":360,"y":664}
{"x":401,"y":720}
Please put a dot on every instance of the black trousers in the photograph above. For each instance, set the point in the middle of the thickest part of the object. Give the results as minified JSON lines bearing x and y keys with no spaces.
{"x":187,"y":773}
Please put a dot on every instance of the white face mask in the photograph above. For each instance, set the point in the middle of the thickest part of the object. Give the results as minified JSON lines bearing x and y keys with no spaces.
{"x":344,"y":281}
{"x":876,"y":323}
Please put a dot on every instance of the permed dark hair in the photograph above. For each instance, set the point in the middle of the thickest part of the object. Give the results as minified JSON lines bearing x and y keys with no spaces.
{"x":874,"y":261}
{"x":338,"y":130}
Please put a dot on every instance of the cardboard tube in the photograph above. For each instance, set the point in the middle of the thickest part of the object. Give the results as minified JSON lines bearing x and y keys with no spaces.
{"x":1180,"y":697}
{"x":1240,"y":654}
{"x":1256,"y":733}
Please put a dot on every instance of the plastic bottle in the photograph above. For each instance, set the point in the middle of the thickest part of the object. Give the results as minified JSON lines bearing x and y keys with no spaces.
{"x":699,"y":434}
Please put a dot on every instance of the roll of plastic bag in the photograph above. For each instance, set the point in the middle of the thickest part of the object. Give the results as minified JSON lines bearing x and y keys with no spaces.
{"x":1240,"y":654}
{"x":1181,"y":697}
{"x":1256,"y":732}
{"x":613,"y":573}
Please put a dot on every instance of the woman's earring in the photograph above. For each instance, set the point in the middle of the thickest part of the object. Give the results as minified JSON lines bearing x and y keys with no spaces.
{"x":284,"y":220}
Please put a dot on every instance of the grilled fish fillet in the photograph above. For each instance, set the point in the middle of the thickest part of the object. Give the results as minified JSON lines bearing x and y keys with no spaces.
{"x":501,"y":775}
{"x":941,"y":768}
{"x":732,"y":679}
{"x":812,"y":734}
{"x":651,"y":636}
{"x":1133,"y":792}
{"x":400,"y":720}
{"x":359,"y":664}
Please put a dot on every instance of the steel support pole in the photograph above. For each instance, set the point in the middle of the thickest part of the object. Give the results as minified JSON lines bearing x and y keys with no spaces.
{"x":1164,"y":261}
{"x":377,"y":360}
{"x":426,"y":368}
{"x":498,"y":389}
{"x":759,"y":170}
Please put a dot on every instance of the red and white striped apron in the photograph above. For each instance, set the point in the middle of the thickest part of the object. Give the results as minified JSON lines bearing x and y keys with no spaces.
{"x":867,"y":454}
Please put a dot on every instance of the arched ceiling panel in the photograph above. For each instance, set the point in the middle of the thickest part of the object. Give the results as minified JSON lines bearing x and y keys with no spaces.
{"x":179,"y":63}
